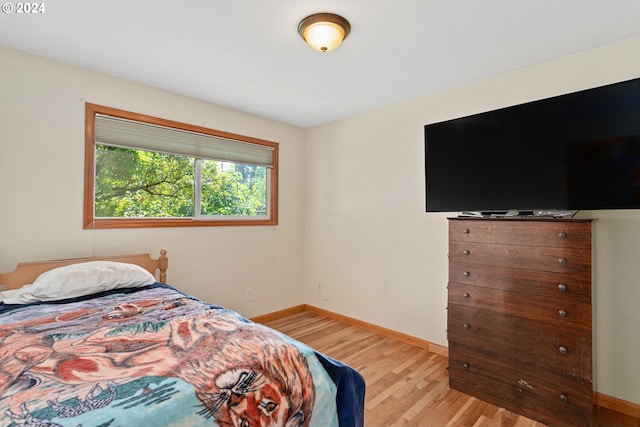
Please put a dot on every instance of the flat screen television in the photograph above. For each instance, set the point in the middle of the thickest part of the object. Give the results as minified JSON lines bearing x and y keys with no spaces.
{"x":579,"y":151}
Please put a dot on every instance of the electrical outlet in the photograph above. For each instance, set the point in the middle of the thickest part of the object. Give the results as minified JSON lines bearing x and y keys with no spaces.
{"x":248,"y":294}
{"x":319,"y":287}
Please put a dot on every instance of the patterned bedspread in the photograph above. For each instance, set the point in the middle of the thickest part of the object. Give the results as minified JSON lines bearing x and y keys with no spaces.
{"x":154,"y":356}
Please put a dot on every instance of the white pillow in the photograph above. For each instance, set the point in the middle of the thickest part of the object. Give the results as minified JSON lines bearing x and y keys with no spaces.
{"x":79,"y":279}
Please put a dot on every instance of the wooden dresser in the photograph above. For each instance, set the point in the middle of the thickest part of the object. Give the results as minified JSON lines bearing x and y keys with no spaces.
{"x":519,"y":316}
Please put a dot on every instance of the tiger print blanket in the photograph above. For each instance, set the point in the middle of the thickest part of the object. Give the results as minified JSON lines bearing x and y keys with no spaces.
{"x":154,"y":356}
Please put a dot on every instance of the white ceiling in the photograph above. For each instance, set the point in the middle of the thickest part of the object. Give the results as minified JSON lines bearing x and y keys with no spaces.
{"x":247,"y":54}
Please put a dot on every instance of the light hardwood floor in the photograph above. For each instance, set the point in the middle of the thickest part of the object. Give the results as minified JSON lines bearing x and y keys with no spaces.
{"x":407,"y":385}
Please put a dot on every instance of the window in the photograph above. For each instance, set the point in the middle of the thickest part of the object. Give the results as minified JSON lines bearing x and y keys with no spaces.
{"x":142,"y":171}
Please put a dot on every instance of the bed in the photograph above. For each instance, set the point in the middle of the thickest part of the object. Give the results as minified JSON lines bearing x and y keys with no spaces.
{"x":106,"y":342}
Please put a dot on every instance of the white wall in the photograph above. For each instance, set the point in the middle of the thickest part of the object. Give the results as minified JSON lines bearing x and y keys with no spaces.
{"x":362,"y":232}
{"x":41,"y":187}
{"x":380,"y":258}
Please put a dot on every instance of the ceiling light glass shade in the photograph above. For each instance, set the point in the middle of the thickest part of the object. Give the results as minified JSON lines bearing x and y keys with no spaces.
{"x":324,"y":31}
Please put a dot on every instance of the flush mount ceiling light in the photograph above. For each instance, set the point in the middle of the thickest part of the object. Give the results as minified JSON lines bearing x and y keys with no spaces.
{"x":324,"y":31}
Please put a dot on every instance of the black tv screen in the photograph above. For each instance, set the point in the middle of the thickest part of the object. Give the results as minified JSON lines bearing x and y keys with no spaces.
{"x":579,"y":151}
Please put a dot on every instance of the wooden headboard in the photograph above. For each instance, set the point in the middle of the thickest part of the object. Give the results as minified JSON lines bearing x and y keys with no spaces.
{"x":27,"y":272}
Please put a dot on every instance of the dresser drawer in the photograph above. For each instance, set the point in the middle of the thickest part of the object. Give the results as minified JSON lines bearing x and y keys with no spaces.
{"x":544,"y":395}
{"x":537,"y":258}
{"x":558,"y":233}
{"x":519,"y":315}
{"x":554,"y":345}
{"x":554,"y":285}
{"x":531,"y":306}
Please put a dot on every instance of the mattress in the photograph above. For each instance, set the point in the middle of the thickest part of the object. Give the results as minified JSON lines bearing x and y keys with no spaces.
{"x":154,"y":356}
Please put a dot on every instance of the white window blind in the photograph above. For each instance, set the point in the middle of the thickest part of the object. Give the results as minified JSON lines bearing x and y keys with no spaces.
{"x":118,"y":132}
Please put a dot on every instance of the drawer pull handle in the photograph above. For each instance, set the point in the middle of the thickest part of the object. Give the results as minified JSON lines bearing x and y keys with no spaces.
{"x":562,"y":313}
{"x":466,"y":274}
{"x":465,"y":365}
{"x":564,"y":398}
{"x":466,"y":326}
{"x":562,"y":349}
{"x":465,"y":231}
{"x":562,"y":261}
{"x":562,"y":287}
{"x":562,"y":235}
{"x":465,"y":252}
{"x":466,"y":295}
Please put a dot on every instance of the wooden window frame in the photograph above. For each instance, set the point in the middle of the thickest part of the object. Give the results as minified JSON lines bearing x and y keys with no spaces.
{"x":91,"y":222}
